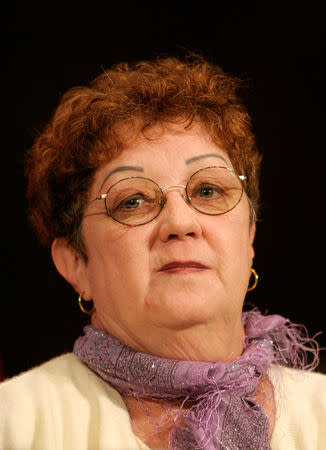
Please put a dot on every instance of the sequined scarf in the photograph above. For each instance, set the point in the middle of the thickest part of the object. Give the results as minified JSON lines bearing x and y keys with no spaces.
{"x":224,"y":414}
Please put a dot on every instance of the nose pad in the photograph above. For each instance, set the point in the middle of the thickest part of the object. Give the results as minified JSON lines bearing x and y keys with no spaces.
{"x":173,"y":186}
{"x":184,"y":195}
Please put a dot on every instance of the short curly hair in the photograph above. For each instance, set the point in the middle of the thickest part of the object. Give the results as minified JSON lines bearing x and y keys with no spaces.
{"x":85,"y":133}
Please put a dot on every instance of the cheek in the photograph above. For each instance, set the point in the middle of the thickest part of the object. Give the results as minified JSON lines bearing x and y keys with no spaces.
{"x":117,"y":262}
{"x":104,"y":241}
{"x":230,"y":240}
{"x":241,"y":261}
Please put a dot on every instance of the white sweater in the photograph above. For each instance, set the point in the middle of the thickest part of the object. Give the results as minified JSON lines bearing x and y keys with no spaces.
{"x":63,"y":405}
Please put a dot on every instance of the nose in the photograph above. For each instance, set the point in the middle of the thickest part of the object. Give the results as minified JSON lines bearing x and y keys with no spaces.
{"x":178,"y":219}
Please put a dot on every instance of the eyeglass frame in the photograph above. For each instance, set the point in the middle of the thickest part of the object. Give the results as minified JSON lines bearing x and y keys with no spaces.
{"x":163,"y":198}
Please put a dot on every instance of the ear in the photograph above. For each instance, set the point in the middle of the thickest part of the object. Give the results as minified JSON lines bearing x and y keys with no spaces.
{"x":71,"y":265}
{"x":252,"y":233}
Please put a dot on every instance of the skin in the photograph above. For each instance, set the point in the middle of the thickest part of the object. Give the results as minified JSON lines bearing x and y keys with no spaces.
{"x":189,"y":314}
{"x":180,"y":314}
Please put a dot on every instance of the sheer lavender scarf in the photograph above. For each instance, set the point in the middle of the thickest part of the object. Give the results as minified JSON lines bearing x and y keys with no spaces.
{"x":224,"y":414}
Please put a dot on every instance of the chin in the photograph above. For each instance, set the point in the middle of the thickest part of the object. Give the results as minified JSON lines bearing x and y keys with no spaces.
{"x":180,"y":311}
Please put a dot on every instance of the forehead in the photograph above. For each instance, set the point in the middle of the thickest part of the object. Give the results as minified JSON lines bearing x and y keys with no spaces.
{"x":168,"y":149}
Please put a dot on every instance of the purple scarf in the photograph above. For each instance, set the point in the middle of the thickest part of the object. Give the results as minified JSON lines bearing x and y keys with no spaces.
{"x":223,"y":414}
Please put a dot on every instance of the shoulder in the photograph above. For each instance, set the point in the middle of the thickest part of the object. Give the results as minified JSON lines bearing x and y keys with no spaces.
{"x":299,"y":384}
{"x":60,"y":404}
{"x":301,"y":408}
{"x":67,"y":363}
{"x":60,"y":375}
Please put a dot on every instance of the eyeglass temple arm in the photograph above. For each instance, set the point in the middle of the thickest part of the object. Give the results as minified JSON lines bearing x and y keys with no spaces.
{"x":99,"y":197}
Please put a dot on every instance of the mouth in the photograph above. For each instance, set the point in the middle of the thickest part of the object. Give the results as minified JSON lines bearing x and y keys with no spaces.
{"x":183,"y":266}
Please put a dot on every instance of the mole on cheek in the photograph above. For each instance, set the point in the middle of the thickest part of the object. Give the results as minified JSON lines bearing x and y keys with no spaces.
{"x":150,"y":305}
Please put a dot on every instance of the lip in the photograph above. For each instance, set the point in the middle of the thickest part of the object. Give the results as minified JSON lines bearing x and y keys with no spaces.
{"x":181,"y":266}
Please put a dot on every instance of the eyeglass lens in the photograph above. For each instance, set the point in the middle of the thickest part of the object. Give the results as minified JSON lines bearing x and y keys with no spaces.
{"x":138,"y":200}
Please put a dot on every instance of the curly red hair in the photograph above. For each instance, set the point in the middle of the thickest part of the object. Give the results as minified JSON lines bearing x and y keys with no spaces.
{"x":85,"y":132}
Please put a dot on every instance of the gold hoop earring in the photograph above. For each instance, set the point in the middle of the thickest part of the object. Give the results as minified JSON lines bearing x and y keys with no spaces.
{"x":86,"y":311}
{"x":252,"y":287}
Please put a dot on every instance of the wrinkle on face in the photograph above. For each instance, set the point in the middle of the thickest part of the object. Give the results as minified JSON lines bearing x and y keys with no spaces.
{"x":160,"y":314}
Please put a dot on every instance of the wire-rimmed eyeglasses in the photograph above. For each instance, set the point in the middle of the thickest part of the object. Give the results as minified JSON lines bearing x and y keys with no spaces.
{"x":135,"y":201}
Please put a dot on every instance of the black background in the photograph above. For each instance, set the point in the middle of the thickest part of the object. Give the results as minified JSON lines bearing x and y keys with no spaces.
{"x":278,"y":47}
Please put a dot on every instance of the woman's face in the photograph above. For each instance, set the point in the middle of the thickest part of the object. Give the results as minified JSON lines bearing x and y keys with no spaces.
{"x":134,"y":298}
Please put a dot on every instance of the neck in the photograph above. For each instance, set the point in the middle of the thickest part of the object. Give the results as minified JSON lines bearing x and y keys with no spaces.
{"x":213,"y":390}
{"x":147,"y":414}
{"x":210,"y":342}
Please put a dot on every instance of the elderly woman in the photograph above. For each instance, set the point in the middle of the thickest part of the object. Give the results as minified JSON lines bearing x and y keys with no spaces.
{"x":145,"y":184}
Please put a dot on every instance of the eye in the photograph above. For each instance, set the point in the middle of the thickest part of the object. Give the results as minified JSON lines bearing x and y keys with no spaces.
{"x":133,"y":202}
{"x":209,"y":191}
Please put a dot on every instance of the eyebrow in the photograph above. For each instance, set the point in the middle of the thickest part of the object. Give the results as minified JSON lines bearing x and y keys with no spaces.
{"x":121,"y":168}
{"x":140,"y":169}
{"x":207,"y":155}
